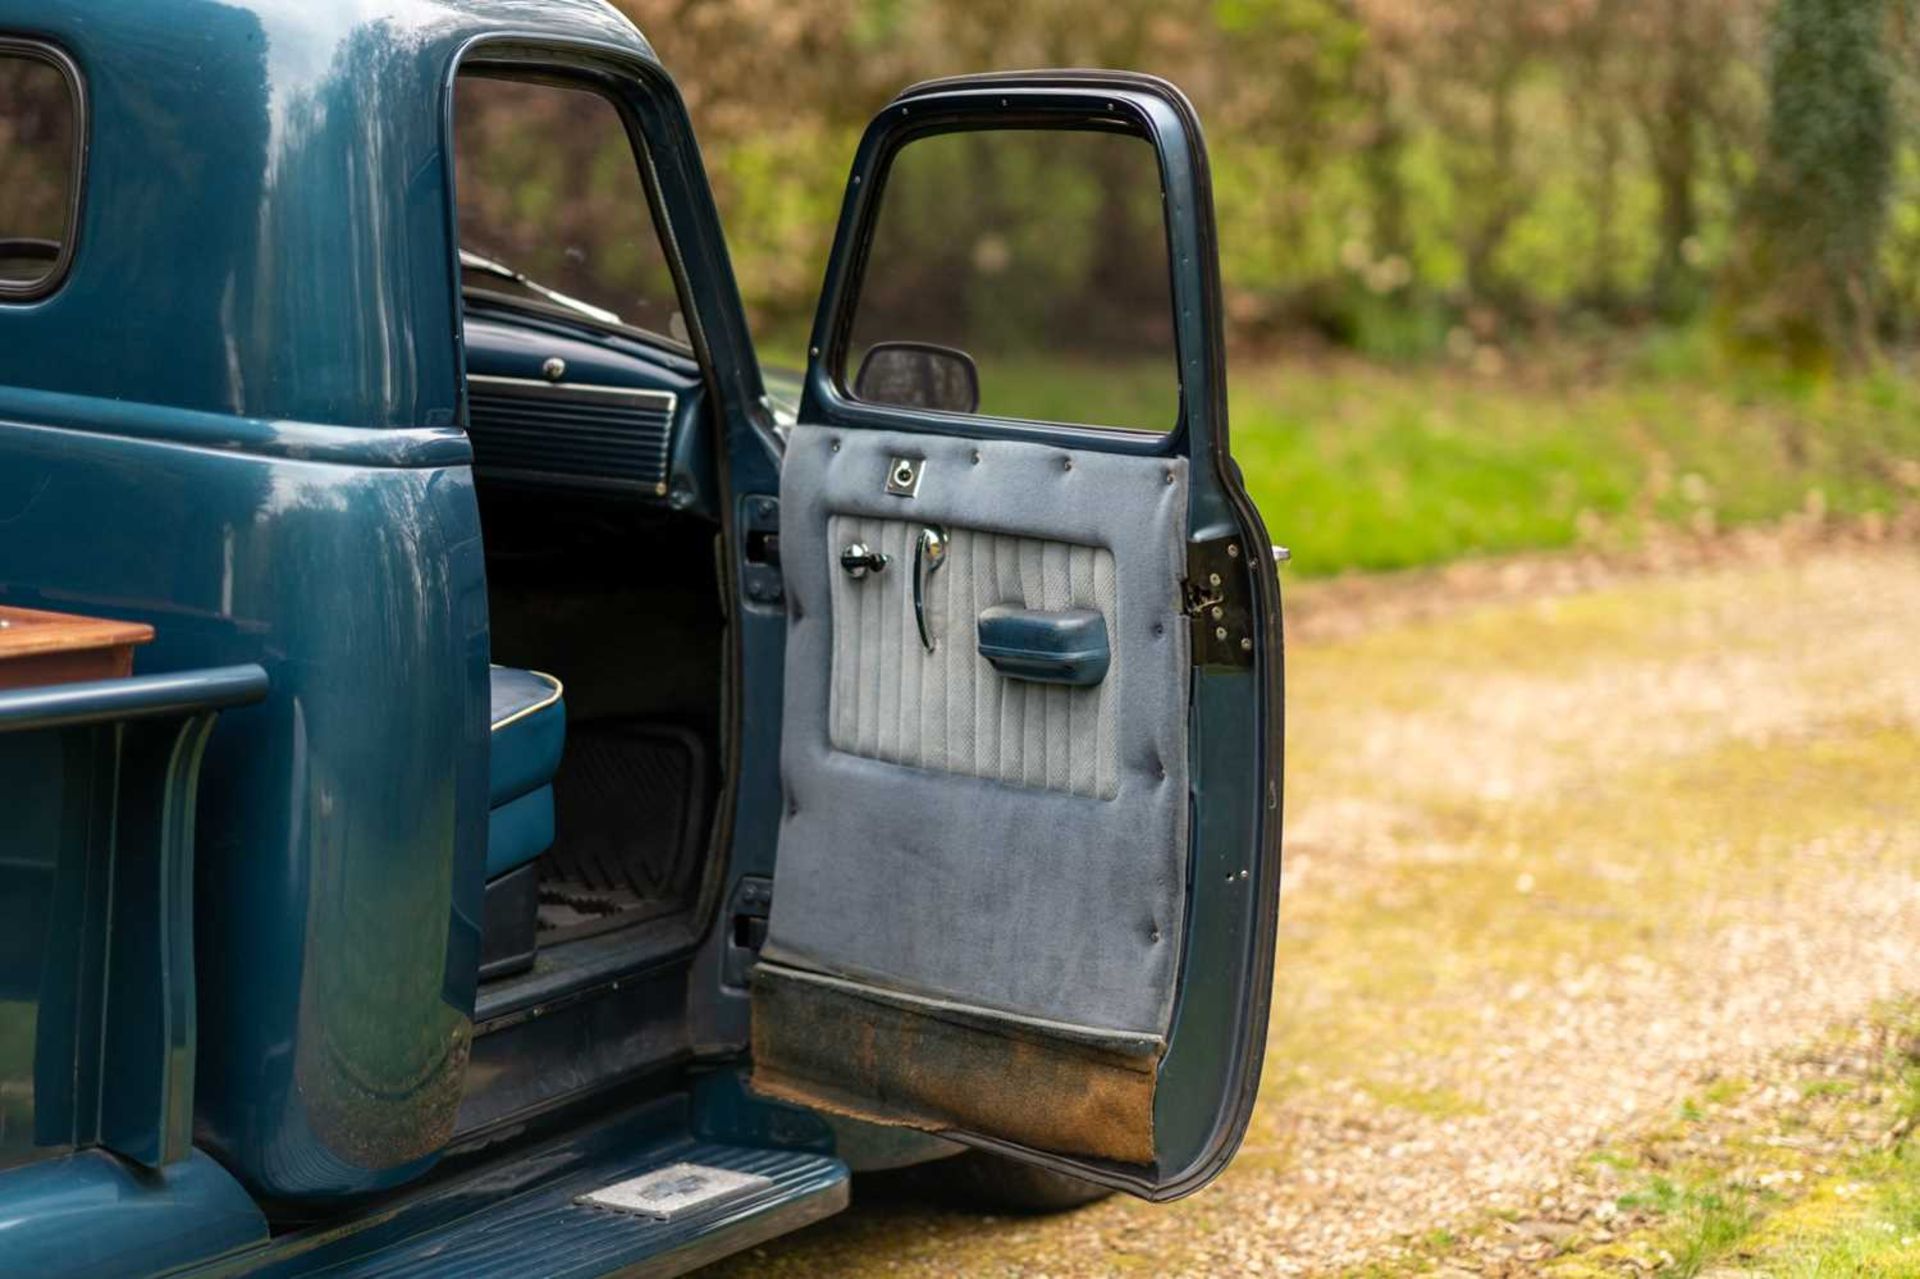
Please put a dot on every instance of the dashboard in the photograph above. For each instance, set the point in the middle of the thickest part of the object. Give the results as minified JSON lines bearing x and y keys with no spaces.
{"x":549,"y":409}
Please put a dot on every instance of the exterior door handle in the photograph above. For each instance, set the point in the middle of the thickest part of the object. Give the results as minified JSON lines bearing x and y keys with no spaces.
{"x":929,"y":553}
{"x":859,"y":559}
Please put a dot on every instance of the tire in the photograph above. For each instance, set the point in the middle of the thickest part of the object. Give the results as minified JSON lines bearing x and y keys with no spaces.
{"x":979,"y":1179}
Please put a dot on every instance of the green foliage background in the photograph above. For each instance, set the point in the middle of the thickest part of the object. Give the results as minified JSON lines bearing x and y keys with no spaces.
{"x":1397,"y":175}
{"x":1501,"y":274}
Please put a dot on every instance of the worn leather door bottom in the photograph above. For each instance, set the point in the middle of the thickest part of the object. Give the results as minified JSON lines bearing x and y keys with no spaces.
{"x":844,"y":1047}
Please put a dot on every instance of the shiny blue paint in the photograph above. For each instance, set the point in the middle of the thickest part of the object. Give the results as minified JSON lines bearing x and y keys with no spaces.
{"x":235,"y":420}
{"x":105,"y":701}
{"x":90,"y":1214}
{"x":264,"y":230}
{"x":333,"y":1020}
{"x":97,"y":1015}
{"x":518,"y":343}
{"x":258,"y":437}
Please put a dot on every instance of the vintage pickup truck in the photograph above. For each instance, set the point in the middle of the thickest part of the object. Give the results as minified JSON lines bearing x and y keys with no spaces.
{"x":488,"y":789}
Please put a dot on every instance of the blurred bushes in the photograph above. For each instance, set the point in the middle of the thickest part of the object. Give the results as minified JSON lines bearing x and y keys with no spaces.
{"x":1405,"y":177}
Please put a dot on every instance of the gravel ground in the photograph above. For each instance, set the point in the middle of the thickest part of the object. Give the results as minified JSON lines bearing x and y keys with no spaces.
{"x":1798,"y":1169}
{"x":1562,"y":841}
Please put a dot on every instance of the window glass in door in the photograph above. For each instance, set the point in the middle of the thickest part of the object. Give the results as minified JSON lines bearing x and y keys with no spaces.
{"x":1040,"y":256}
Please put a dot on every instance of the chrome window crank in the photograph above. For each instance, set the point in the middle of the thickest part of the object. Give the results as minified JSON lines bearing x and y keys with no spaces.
{"x":929,"y":553}
{"x":859,"y":559}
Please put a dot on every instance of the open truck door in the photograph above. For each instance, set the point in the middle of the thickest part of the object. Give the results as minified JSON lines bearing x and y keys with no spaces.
{"x":1029,"y":862}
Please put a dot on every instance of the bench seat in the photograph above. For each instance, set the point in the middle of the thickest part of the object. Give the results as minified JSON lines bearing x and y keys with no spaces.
{"x":529,"y":730}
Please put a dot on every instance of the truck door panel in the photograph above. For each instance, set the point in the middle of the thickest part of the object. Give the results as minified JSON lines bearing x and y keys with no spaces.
{"x":917,"y":780}
{"x":1028,"y":864}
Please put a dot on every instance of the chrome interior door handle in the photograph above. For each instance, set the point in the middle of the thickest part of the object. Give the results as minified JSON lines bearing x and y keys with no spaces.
{"x":929,"y":553}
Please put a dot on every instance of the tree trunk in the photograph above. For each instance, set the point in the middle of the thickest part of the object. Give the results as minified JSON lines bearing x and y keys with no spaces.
{"x":1672,"y":140}
{"x":1806,"y":283}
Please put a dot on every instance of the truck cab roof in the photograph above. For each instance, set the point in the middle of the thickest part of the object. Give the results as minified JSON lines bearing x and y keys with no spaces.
{"x":294,"y":158}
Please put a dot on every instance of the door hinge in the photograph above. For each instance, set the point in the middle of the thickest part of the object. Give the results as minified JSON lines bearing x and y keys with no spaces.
{"x":1218,"y":601}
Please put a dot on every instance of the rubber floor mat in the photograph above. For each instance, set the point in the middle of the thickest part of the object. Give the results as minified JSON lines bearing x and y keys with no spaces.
{"x":628,"y":837}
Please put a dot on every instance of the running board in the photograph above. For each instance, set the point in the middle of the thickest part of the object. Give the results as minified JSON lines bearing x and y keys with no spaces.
{"x":661,"y":1209}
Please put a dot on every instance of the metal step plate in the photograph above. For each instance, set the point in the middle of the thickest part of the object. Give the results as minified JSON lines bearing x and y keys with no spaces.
{"x":669,"y":1193}
{"x":620,"y":1198}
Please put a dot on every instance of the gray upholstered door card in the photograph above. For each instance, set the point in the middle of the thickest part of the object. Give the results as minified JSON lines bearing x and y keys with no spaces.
{"x":906,"y":861}
{"x":949,"y":710}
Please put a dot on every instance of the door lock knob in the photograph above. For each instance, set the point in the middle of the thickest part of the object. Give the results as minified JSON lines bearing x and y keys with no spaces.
{"x":859,"y":559}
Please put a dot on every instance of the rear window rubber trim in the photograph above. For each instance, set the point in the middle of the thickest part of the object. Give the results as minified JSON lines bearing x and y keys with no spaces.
{"x":59,"y":60}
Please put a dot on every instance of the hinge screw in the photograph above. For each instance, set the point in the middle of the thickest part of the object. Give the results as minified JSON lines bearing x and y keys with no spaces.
{"x":1246,"y":646}
{"x":1213,"y":579}
{"x":1220,"y":632}
{"x":1233,"y":550}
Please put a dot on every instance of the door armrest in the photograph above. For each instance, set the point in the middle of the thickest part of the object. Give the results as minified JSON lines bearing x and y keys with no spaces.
{"x":1067,"y":646}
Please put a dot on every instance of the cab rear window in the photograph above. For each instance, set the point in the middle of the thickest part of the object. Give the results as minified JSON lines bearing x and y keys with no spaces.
{"x":39,"y":167}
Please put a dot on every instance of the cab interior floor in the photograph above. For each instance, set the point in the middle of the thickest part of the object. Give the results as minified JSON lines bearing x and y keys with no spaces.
{"x":628,"y":835}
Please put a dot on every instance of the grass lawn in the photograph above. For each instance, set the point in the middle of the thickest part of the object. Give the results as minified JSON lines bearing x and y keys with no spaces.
{"x":1815,"y":1175}
{"x":1364,"y":466}
{"x":1358,"y":467}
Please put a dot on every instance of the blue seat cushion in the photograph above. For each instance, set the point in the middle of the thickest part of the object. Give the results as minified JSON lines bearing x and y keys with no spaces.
{"x":519,"y":831}
{"x":529,"y":730}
